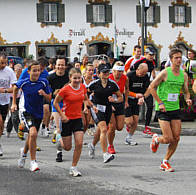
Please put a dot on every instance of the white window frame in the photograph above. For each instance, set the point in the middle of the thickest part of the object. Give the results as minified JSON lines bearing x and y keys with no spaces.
{"x":99,"y":13}
{"x":48,"y":12}
{"x":180,"y":14}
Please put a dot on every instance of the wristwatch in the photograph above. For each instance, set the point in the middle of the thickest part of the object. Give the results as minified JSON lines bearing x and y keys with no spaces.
{"x":5,"y":91}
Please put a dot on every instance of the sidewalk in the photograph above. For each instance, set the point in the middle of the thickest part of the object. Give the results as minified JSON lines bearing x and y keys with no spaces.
{"x":188,"y":128}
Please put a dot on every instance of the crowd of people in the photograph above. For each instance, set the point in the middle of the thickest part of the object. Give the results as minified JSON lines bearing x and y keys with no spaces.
{"x":104,"y":94}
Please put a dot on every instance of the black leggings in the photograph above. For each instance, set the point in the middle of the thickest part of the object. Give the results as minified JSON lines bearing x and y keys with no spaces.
{"x":149,"y":104}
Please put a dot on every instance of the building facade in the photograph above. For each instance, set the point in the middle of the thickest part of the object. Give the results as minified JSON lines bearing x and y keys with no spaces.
{"x":76,"y":27}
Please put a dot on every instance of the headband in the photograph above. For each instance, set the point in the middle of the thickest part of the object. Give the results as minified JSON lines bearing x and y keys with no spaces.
{"x":119,"y":68}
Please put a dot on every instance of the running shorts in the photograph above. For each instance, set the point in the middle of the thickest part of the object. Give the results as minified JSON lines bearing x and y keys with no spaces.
{"x":30,"y":121}
{"x":119,"y":108}
{"x":133,"y":108}
{"x":169,"y":115}
{"x":4,"y":111}
{"x":104,"y":113}
{"x":71,"y":126}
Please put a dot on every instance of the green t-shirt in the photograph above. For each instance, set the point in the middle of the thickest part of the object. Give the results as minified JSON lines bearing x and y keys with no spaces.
{"x":169,"y":90}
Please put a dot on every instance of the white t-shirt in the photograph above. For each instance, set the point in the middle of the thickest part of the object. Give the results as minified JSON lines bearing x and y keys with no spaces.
{"x":7,"y":78}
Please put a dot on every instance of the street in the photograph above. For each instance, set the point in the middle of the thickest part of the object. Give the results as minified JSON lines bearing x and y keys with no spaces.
{"x":135,"y":169}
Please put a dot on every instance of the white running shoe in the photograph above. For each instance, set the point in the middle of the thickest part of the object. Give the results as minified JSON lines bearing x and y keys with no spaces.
{"x":130,"y":141}
{"x":44,"y":132}
{"x":21,"y":161}
{"x":1,"y":150}
{"x":107,"y":157}
{"x":74,"y":172}
{"x":34,"y":166}
{"x":91,"y":152}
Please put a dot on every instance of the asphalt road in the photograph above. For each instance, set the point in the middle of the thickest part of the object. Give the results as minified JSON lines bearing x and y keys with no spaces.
{"x":135,"y":170}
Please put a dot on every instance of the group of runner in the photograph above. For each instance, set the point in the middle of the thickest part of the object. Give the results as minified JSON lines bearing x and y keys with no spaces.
{"x":108,"y":96}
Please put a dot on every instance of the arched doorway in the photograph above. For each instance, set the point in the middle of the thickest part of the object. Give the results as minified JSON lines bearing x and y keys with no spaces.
{"x":99,"y":45}
{"x":99,"y":48}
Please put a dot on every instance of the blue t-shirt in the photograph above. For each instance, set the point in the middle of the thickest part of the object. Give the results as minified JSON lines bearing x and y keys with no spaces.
{"x":33,"y":102}
{"x":25,"y":74}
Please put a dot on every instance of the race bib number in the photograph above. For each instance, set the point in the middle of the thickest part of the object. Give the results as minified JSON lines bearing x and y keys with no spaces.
{"x":101,"y":108}
{"x":172,"y":97}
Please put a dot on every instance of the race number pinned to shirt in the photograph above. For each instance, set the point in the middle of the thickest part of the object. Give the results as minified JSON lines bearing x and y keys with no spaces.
{"x":101,"y":108}
{"x":172,"y":97}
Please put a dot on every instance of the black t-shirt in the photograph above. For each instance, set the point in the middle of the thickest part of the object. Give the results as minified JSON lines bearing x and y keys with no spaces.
{"x":151,"y":66}
{"x":137,"y":84}
{"x":57,"y":82}
{"x":101,"y":94}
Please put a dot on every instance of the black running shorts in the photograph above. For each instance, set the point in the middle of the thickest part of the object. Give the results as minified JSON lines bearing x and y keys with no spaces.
{"x":72,"y":126}
{"x":4,"y":111}
{"x":30,"y":121}
{"x":133,"y":108}
{"x":169,"y":115}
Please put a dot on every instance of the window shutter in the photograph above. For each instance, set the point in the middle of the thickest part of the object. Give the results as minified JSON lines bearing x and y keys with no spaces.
{"x":61,"y":13}
{"x":157,"y":14}
{"x":171,"y":14}
{"x":138,"y":14}
{"x":40,"y":12}
{"x":188,"y":17}
{"x":108,"y":13}
{"x":89,"y":13}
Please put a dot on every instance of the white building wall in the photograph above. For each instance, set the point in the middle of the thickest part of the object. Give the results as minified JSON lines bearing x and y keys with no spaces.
{"x":18,"y":21}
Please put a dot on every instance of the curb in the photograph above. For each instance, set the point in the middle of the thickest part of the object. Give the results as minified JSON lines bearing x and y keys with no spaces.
{"x":155,"y":128}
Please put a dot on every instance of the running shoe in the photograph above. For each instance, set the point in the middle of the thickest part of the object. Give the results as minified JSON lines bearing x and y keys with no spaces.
{"x":74,"y":172}
{"x":91,"y":152}
{"x":107,"y":157}
{"x":21,"y":132}
{"x":34,"y":166}
{"x":147,"y":132}
{"x":44,"y":132}
{"x":165,"y":166}
{"x":111,"y":149}
{"x":59,"y":157}
{"x":21,"y":161}
{"x":130,"y":141}
{"x":8,"y":134}
{"x":54,"y":138}
{"x":38,"y":148}
{"x":1,"y":151}
{"x":154,"y":145}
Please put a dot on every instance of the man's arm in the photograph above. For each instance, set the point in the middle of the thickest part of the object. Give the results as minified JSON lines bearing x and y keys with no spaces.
{"x":186,"y":90}
{"x":15,"y":92}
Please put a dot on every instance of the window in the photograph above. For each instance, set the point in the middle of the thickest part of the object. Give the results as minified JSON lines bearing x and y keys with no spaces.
{"x":152,"y":14}
{"x":180,"y":15}
{"x":50,"y":13}
{"x":99,"y":14}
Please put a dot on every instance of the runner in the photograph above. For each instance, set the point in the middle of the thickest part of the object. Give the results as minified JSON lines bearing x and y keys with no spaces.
{"x":117,"y":118}
{"x":166,"y":90}
{"x":73,"y":95}
{"x":102,"y":90}
{"x":149,"y":60}
{"x":35,"y":89}
{"x":57,"y":80}
{"x":138,"y":84}
{"x":7,"y":80}
{"x":87,"y":78}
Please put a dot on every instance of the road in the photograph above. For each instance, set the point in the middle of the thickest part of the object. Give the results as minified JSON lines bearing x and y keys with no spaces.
{"x":135,"y":169}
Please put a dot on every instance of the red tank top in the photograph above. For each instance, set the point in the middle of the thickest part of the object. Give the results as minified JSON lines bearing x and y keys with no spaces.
{"x":120,"y":83}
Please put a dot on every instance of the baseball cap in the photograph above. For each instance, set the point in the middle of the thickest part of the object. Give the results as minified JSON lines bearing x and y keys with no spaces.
{"x":103,"y":68}
{"x":149,"y":51}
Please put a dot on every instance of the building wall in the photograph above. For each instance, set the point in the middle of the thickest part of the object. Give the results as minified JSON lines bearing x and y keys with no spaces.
{"x":18,"y":20}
